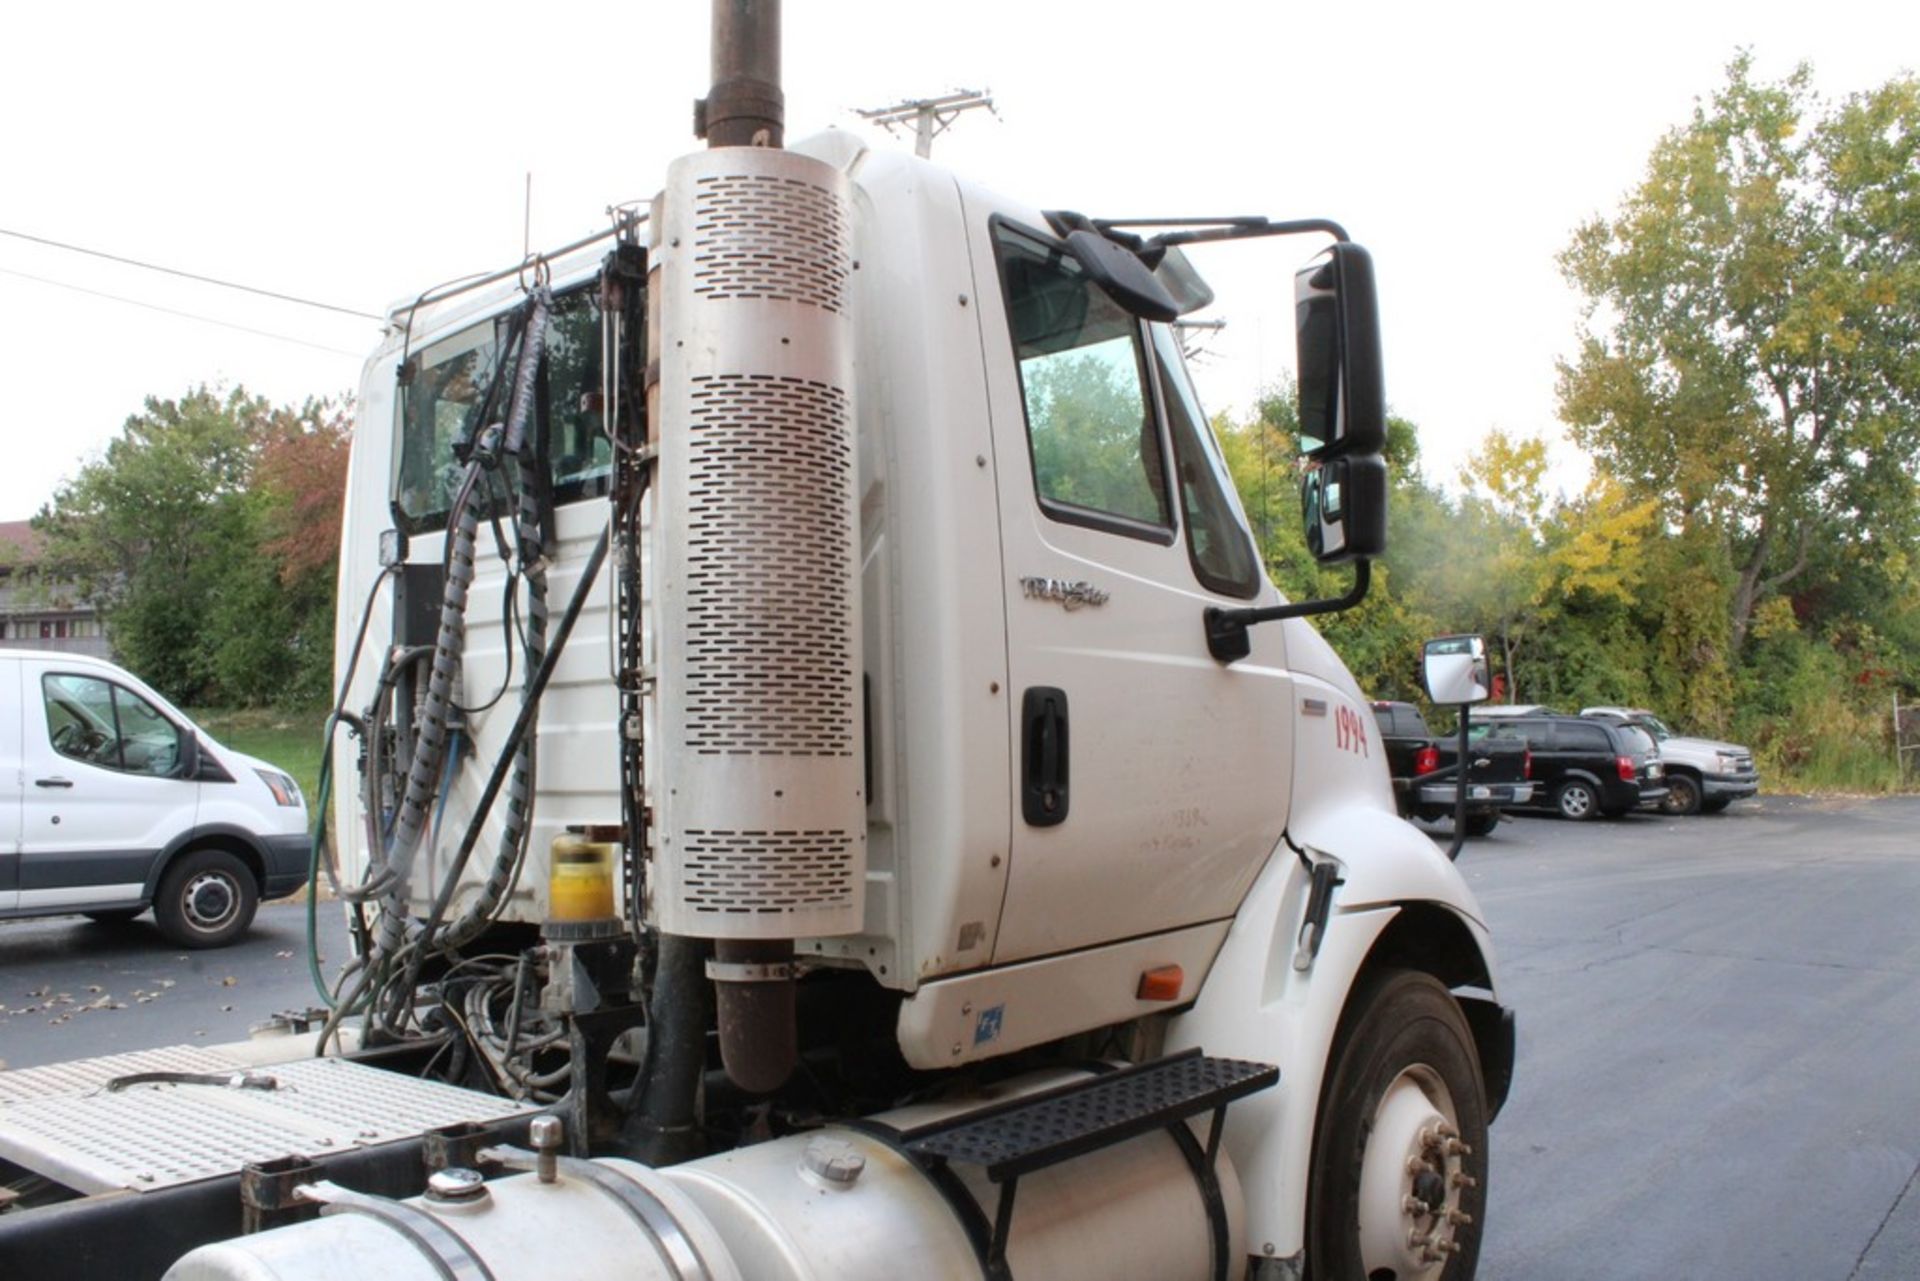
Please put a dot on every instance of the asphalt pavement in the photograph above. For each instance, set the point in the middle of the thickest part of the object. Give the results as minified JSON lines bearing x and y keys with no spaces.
{"x":1719,"y":1022}
{"x":72,"y":989}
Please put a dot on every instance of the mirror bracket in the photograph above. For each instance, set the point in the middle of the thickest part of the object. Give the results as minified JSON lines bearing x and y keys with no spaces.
{"x":1227,"y":638}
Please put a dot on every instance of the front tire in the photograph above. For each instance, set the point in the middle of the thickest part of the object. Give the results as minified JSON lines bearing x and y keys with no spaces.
{"x":1683,"y":796}
{"x":1398,"y":1185}
{"x":206,"y":899}
{"x":1576,"y":800}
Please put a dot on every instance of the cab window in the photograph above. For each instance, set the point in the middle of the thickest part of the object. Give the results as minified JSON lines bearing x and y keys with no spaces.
{"x":96,"y":721}
{"x":445,"y":385}
{"x":1217,"y":538}
{"x":1097,"y":457}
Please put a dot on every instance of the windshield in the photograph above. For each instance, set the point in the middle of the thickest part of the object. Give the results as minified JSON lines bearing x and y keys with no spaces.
{"x":1654,"y":726}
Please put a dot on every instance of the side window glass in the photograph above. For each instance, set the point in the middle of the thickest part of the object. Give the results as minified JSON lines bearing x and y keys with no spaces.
{"x":149,"y":742}
{"x":1097,"y":457}
{"x":1217,"y":538}
{"x":95,"y":721}
{"x":80,"y":721}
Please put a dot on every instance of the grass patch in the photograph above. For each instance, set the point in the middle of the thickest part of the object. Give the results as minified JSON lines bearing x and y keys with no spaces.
{"x":287,"y":738}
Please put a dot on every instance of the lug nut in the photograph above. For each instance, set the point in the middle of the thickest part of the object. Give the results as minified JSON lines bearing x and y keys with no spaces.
{"x":1459,"y":1218}
{"x":1461,"y":1179}
{"x":1456,"y":1147}
{"x":1414,"y":1205}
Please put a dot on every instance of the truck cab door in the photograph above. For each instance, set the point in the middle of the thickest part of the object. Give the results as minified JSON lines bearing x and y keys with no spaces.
{"x":1149,"y":781}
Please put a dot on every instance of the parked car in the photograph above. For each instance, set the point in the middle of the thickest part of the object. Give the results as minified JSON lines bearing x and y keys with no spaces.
{"x":1577,"y":771}
{"x":1703,"y":775}
{"x":113,"y":802}
{"x":1423,"y":768}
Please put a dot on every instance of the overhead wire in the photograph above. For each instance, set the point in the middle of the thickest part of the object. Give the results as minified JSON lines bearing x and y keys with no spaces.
{"x":189,"y":275}
{"x":184,"y":315}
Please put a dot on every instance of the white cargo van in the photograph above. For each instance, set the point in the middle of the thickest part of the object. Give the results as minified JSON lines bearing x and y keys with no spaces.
{"x":112,"y":801}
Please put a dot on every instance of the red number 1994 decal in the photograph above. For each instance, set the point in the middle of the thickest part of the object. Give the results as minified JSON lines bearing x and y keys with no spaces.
{"x":1350,"y":731}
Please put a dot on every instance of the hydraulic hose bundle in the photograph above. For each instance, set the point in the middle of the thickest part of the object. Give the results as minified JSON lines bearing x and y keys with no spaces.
{"x":401,"y":812}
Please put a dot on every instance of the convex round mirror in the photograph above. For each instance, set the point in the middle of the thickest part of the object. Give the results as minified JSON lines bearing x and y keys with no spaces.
{"x":1457,"y":671}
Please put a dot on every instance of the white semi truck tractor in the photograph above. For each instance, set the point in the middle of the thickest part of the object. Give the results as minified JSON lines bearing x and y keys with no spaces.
{"x":824,"y":788}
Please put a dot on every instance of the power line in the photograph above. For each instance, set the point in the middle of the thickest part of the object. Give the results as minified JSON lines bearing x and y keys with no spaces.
{"x":185,"y":315}
{"x":188,"y":275}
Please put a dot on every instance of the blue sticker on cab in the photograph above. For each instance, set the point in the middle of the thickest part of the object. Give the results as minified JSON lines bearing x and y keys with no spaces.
{"x":988,"y":1026}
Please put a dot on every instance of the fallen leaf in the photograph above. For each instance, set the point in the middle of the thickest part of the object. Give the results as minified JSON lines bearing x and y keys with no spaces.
{"x":229,"y":981}
{"x":167,"y":982}
{"x":95,"y":988}
{"x":227,"y":1008}
{"x":283,"y":955}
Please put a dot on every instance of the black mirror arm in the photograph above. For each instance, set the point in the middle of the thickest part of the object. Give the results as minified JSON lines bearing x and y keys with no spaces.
{"x":1227,"y":628}
{"x":1460,"y":794}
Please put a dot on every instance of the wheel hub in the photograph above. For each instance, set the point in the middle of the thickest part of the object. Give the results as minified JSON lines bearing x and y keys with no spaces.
{"x":1412,"y":1178}
{"x":210,"y":901}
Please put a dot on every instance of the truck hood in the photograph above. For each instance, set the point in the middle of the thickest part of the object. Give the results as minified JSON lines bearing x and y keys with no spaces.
{"x":1682,"y":744}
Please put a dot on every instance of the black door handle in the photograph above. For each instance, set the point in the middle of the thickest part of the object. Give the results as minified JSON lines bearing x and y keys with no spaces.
{"x":53,"y":782}
{"x":1043,"y":756}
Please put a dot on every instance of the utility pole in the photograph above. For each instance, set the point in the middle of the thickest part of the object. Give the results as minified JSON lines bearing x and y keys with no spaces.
{"x":929,"y":117}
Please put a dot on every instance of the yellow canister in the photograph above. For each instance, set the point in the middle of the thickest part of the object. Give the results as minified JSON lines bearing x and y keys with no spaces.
{"x":580,"y":876}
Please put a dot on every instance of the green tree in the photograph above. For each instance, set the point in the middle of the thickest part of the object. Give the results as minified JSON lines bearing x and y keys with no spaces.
{"x":1749,"y":356}
{"x":191,"y":541}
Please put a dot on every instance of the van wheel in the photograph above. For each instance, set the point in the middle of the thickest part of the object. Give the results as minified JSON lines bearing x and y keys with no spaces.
{"x":1683,"y":796}
{"x":117,"y":916}
{"x":1398,"y":1185}
{"x":1576,"y":800}
{"x":206,"y":899}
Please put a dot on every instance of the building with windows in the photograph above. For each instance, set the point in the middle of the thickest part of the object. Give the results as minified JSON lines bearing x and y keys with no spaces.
{"x":39,"y":609}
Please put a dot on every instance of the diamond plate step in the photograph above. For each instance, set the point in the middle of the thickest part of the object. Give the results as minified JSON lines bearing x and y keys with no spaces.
{"x":1039,"y":1130}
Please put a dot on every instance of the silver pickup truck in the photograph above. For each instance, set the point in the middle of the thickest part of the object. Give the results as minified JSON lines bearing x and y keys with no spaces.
{"x":1703,"y":775}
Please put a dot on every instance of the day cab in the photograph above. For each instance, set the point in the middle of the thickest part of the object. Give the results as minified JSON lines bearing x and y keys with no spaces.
{"x":113,"y":802}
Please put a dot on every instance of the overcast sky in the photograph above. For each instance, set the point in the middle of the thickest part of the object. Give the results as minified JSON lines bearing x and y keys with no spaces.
{"x":353,"y":153}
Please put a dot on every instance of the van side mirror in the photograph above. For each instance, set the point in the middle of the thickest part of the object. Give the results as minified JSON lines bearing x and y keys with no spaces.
{"x":188,"y":766}
{"x":1456,"y":670}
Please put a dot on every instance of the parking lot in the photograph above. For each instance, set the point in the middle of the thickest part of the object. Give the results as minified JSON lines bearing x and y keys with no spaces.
{"x":1719,"y":1022}
{"x":1719,"y":1035}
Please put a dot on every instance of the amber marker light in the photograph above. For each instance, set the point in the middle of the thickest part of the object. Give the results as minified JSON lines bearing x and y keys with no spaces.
{"x":1161,"y":983}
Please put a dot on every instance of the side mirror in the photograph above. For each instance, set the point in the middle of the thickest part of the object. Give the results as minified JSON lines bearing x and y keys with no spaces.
{"x":1457,"y":671}
{"x":1343,"y":401}
{"x":1343,"y":505}
{"x":1118,"y":270}
{"x":188,"y":766}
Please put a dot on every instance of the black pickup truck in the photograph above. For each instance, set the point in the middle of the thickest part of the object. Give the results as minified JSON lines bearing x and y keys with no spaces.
{"x":1422,"y":765}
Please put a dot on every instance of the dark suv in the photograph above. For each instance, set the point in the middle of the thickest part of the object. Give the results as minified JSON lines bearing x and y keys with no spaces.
{"x":1582,"y":767}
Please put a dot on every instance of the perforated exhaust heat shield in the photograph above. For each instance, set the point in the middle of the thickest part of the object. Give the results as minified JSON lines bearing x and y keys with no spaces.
{"x":758,"y":793}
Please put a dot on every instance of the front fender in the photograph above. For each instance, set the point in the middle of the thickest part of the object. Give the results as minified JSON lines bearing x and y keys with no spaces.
{"x":1400,"y":891}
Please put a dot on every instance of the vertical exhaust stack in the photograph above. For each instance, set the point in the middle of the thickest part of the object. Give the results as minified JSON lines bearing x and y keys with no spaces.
{"x":760,"y":788}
